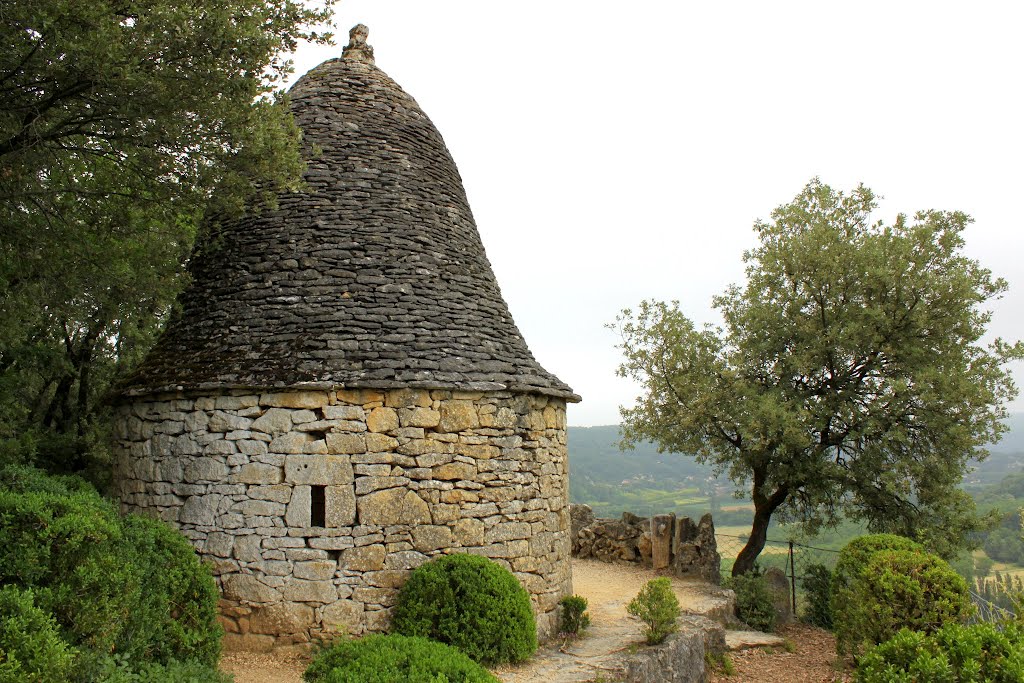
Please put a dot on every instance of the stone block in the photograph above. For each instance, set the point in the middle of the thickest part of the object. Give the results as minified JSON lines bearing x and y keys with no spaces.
{"x":315,"y":570}
{"x":407,"y":398}
{"x":200,"y":510}
{"x":247,"y":548}
{"x":259,"y":508}
{"x":247,"y":588}
{"x":219,"y":544}
{"x":427,"y":538}
{"x":458,"y":416}
{"x":280,"y":619}
{"x":388,"y":578}
{"x":205,"y":469}
{"x":274,"y":421}
{"x":344,"y":413}
{"x":221,"y":421}
{"x":419,"y":417}
{"x":323,"y":470}
{"x":234,"y":402}
{"x":392,"y":506}
{"x":300,"y":590}
{"x":295,"y":399}
{"x":508,"y":531}
{"x":469,"y":532}
{"x":298,"y":513}
{"x":405,"y":559}
{"x":279,"y":493}
{"x":365,"y":558}
{"x":382,"y":420}
{"x":291,"y":442}
{"x":346,"y":444}
{"x":258,"y":473}
{"x":455,"y":471}
{"x":341,"y":506}
{"x":344,"y":616}
{"x":377,"y":443}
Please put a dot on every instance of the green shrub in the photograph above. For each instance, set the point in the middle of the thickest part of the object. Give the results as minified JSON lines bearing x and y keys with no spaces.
{"x":116,"y":586}
{"x":120,"y":670}
{"x":853,"y":558}
{"x":656,"y":605}
{"x":901,"y":588}
{"x":754,"y":605}
{"x":953,"y":654}
{"x":393,"y":658}
{"x":472,"y":603}
{"x":176,"y":617}
{"x":31,"y":648}
{"x":574,"y":617}
{"x":817,"y":583}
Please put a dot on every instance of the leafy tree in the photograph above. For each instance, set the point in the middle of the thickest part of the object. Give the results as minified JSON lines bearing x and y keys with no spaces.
{"x":848,"y":378}
{"x":119,"y":121}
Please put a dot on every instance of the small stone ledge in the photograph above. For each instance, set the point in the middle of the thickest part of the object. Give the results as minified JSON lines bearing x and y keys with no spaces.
{"x":681,"y":658}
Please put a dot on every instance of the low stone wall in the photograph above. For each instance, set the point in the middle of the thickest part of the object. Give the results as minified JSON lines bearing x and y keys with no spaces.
{"x":660,"y":542}
{"x":681,"y":658}
{"x":314,"y":506}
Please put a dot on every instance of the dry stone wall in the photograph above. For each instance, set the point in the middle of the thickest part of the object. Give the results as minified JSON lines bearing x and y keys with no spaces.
{"x":314,"y":506}
{"x":660,"y":542}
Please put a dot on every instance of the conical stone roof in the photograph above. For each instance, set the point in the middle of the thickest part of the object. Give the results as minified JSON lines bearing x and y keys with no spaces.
{"x":374,"y":276}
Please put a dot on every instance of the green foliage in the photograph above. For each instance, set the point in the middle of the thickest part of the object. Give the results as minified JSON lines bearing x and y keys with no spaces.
{"x":472,"y":603}
{"x":107,"y":165}
{"x":31,"y":648}
{"x":392,"y":658}
{"x":754,"y":605}
{"x":120,"y":670}
{"x":574,"y":618}
{"x":953,"y":654}
{"x":896,"y":589}
{"x":849,"y":377}
{"x":817,"y":585}
{"x":125,"y":586}
{"x":656,"y":605}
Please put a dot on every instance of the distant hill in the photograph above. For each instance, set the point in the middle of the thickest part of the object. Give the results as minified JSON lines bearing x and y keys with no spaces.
{"x":595,"y":459}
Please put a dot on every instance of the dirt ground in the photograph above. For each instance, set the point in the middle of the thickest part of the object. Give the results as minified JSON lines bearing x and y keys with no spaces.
{"x":608,"y":588}
{"x":813,"y":660}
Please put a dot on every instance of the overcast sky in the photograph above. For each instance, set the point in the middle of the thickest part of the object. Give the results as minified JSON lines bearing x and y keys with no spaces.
{"x":614,"y":152}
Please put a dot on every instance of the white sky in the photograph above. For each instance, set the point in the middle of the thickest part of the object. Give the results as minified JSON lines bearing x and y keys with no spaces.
{"x":613,"y":152}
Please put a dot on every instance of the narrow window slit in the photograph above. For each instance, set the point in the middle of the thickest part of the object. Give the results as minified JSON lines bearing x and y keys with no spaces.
{"x":318,"y":506}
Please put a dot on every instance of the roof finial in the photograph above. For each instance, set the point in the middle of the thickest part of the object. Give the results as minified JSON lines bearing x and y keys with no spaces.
{"x":357,"y":49}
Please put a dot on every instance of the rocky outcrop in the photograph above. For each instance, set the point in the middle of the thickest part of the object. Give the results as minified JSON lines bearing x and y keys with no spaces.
{"x":661,"y":542}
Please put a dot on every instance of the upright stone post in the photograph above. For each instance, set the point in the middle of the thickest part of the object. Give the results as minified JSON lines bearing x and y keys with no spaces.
{"x":662,"y":527}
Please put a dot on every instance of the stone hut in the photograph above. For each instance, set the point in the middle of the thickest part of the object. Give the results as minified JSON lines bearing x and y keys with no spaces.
{"x":343,"y":393}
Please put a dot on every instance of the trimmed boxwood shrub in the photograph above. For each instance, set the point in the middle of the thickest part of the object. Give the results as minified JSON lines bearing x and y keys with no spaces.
{"x":901,"y":588}
{"x":471,"y":603}
{"x":953,"y":654}
{"x":31,"y":649}
{"x":853,"y":558}
{"x":126,"y":588}
{"x":392,"y":658}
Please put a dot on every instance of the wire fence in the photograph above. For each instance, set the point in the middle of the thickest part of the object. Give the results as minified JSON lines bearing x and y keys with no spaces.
{"x":789,"y":556}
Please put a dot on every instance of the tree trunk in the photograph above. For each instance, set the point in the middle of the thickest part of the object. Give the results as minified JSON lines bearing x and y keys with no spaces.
{"x":755,"y":544}
{"x":764,"y":506}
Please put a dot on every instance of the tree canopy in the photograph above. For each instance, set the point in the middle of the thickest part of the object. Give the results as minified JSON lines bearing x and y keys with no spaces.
{"x":848,"y":378}
{"x":122,"y":123}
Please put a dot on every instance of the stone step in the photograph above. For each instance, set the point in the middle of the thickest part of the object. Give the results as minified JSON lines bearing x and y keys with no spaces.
{"x":742,"y":640}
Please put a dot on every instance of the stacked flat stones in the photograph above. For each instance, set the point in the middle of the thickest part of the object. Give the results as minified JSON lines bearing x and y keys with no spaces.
{"x":344,"y":393}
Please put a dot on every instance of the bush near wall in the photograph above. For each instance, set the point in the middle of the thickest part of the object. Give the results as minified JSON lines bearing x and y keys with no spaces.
{"x":469,"y":602}
{"x":125,"y":594}
{"x":390,"y":658}
{"x":878,"y":591}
